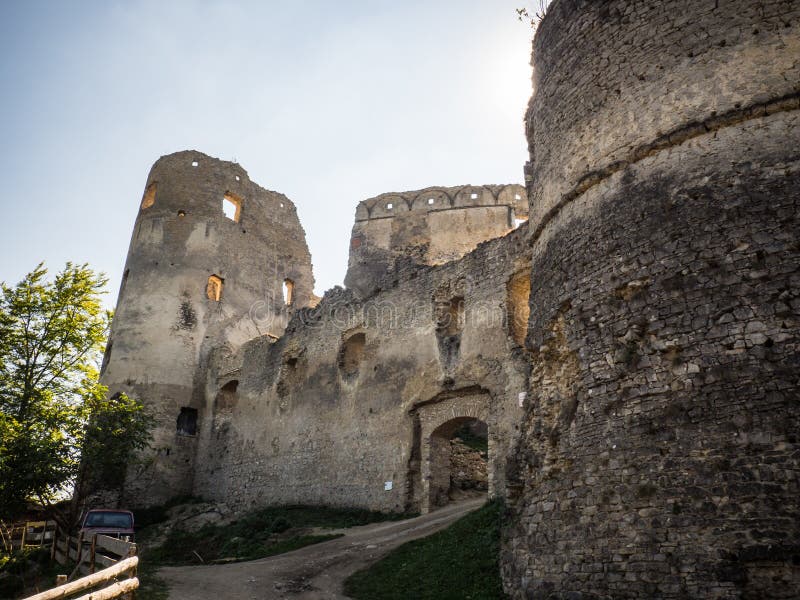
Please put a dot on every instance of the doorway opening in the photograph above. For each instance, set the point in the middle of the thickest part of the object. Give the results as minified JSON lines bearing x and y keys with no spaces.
{"x":459,"y":453}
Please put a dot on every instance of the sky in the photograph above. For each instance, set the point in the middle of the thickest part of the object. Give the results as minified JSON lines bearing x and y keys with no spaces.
{"x":329,"y":103}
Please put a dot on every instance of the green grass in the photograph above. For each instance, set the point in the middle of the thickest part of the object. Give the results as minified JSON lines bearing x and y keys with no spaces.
{"x":144,"y":517}
{"x":458,"y":563}
{"x":151,"y":586}
{"x":262,"y":533}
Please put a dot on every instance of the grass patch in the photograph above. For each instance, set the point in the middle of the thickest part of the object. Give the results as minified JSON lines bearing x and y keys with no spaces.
{"x":458,"y":563}
{"x":151,"y":586}
{"x":145,"y":517}
{"x":262,"y":533}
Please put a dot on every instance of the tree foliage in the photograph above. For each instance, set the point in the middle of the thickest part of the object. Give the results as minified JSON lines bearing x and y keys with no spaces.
{"x":51,"y":337}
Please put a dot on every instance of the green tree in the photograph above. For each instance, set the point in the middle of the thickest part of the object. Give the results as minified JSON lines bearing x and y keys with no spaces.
{"x":51,"y":337}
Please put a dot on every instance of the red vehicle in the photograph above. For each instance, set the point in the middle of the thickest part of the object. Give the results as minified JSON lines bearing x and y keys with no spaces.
{"x":113,"y":523}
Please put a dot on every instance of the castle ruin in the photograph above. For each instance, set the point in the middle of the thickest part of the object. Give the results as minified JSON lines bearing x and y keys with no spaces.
{"x":625,"y":325}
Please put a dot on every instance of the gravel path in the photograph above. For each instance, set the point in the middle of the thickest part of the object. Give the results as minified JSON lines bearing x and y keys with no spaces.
{"x":314,"y":572}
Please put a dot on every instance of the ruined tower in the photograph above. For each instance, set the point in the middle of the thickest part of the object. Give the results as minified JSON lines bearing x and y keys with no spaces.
{"x":659,"y":451}
{"x":214,"y":260}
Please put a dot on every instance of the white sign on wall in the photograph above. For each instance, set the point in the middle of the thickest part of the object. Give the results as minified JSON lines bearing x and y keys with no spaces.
{"x":521,"y":398}
{"x":387,"y":485}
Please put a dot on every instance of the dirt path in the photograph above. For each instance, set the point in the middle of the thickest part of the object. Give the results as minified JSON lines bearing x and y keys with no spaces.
{"x":314,"y":572}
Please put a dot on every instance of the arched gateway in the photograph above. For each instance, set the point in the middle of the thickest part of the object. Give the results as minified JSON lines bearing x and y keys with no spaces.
{"x":435,"y":422}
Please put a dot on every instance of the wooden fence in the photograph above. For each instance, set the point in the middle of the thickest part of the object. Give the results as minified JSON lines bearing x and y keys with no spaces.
{"x":105,"y":561}
{"x":41,"y":534}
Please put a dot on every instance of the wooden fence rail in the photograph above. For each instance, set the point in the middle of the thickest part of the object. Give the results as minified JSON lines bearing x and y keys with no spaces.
{"x":103,"y":560}
{"x":30,"y":534}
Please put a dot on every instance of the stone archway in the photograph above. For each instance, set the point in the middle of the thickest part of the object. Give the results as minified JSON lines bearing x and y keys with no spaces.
{"x":437,"y":421}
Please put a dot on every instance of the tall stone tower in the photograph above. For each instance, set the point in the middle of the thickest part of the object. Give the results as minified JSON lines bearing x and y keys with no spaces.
{"x":659,"y":455}
{"x":214,"y":260}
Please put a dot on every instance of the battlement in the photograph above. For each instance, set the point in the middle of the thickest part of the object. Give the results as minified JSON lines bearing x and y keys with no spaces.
{"x":431,"y":226}
{"x":432,"y":199}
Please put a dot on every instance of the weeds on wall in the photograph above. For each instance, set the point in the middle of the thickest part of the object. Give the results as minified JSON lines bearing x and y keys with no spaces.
{"x":535,"y":15}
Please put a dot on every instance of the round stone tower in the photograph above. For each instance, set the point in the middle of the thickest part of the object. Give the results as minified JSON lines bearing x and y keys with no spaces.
{"x":659,"y":455}
{"x":214,"y":260}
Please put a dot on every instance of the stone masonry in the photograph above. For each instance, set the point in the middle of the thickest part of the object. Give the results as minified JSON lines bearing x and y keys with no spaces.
{"x":632,"y":349}
{"x":658,"y":457}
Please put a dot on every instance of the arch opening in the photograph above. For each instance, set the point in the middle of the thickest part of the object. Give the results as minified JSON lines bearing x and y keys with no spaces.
{"x":351,"y":354}
{"x":458,"y":461}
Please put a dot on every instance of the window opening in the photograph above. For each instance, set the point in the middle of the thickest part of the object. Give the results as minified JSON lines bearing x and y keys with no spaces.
{"x":187,"y":421}
{"x":518,"y":290}
{"x":288,"y":292}
{"x":214,"y":288}
{"x":149,"y":197}
{"x":232,"y":207}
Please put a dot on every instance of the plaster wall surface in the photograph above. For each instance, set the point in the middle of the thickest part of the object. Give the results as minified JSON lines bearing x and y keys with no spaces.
{"x":658,"y":456}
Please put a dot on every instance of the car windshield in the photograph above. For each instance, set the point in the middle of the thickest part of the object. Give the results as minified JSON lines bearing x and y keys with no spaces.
{"x":109,"y":519}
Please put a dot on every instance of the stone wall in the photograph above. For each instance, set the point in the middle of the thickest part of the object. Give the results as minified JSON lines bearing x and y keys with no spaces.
{"x":658,"y":456}
{"x":429,"y":227}
{"x":167,"y":321}
{"x":309,"y":426}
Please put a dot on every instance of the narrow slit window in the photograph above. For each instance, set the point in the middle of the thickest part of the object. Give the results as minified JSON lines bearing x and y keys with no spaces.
{"x":288,"y":292}
{"x":232,"y":207}
{"x":214,"y":288}
{"x":149,"y":197}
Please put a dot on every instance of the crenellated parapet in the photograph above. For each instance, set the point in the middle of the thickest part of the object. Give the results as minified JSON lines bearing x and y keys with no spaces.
{"x":429,"y":227}
{"x":443,"y":198}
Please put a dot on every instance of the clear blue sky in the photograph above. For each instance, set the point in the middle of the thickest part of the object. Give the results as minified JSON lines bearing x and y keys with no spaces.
{"x":327,"y":102}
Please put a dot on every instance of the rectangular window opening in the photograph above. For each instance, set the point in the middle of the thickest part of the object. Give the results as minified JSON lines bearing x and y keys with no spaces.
{"x":232,"y":207}
{"x":288,"y":292}
{"x":187,"y":421}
